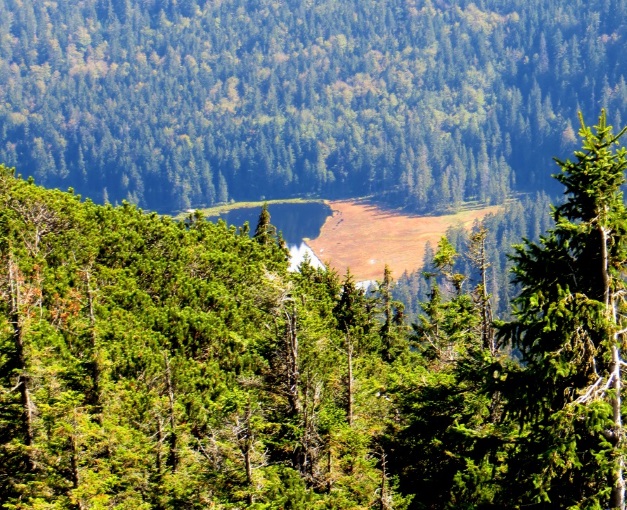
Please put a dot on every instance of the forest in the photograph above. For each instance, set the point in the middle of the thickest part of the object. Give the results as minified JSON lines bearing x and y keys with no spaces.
{"x":148,"y":363}
{"x":423,"y":104}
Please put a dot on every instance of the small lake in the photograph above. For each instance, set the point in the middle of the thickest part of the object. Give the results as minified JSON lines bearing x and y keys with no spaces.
{"x":295,"y":221}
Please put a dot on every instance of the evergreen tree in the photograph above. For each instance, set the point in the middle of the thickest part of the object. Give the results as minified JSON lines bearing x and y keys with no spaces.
{"x":445,"y":413}
{"x":392,"y":330}
{"x":265,"y":233}
{"x":569,"y":329}
{"x":477,"y":254}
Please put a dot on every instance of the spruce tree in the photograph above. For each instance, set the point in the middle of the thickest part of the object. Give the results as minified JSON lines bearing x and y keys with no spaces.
{"x":569,"y":329}
{"x":265,"y":233}
{"x":392,"y":330}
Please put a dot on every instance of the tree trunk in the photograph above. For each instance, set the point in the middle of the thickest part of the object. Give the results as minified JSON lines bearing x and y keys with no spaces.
{"x":349,"y":410}
{"x":293,"y":373}
{"x":383,"y":497}
{"x":618,"y":491}
{"x":486,"y":310}
{"x":94,"y":396}
{"x":160,"y":440}
{"x":23,"y":382}
{"x":172,"y":454}
{"x":74,"y":466}
{"x":245,"y":440}
{"x":479,"y":258}
{"x":248,"y":464}
{"x":618,"y":488}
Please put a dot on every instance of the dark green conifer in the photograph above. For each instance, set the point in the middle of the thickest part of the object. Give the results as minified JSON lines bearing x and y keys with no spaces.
{"x":392,"y":331}
{"x":569,"y":329}
{"x":265,"y":233}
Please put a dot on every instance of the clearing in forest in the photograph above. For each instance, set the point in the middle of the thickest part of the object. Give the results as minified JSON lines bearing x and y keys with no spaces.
{"x":364,"y":237}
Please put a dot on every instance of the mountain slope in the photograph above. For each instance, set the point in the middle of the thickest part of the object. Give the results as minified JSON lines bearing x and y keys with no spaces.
{"x":424,"y":104}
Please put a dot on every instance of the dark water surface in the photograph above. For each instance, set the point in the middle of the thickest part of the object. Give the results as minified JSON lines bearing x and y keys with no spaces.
{"x":295,"y":221}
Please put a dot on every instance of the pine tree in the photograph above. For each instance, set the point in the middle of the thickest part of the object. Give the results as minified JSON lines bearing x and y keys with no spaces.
{"x":265,"y":233}
{"x":446,"y":326}
{"x":392,"y":330}
{"x":478,"y":257}
{"x":569,"y":328}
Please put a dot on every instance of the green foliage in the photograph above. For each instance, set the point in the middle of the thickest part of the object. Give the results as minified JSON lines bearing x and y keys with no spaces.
{"x":149,"y":363}
{"x":173,"y":105}
{"x":154,"y":364}
{"x":393,"y":331}
{"x":447,"y":410}
{"x":264,"y":232}
{"x":566,"y":394}
{"x":526,"y":218}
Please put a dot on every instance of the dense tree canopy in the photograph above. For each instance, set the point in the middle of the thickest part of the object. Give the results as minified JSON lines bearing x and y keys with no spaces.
{"x":532,"y":417}
{"x":569,"y":329}
{"x":423,"y":103}
{"x":526,"y":218}
{"x":148,"y":363}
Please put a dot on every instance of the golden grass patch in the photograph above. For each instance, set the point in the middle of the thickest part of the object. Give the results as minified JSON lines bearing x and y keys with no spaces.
{"x":365,"y":237}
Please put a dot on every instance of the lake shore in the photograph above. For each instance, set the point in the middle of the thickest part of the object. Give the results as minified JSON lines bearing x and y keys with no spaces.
{"x":217,"y":210}
{"x":365,"y":237}
{"x":360,"y":234}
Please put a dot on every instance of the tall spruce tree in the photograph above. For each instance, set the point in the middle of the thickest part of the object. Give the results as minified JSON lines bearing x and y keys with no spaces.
{"x":265,"y":233}
{"x":569,"y":329}
{"x":392,"y":330}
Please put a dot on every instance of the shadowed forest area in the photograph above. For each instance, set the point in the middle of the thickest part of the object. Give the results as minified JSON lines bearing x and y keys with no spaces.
{"x":154,"y":364}
{"x":425,"y":104}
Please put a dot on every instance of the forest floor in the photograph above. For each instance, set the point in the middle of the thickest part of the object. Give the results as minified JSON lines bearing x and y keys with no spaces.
{"x":365,"y":237}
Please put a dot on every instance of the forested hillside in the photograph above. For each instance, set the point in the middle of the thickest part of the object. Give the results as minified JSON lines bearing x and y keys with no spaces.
{"x":422,"y":103}
{"x":527,"y":218}
{"x":153,"y":364}
{"x":146,"y":363}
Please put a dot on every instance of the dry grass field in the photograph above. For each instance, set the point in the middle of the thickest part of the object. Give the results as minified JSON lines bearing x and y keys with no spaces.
{"x":364,"y":237}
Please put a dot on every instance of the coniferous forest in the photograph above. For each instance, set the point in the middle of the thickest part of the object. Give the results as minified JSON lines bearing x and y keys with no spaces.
{"x":148,"y":363}
{"x":424,"y":104}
